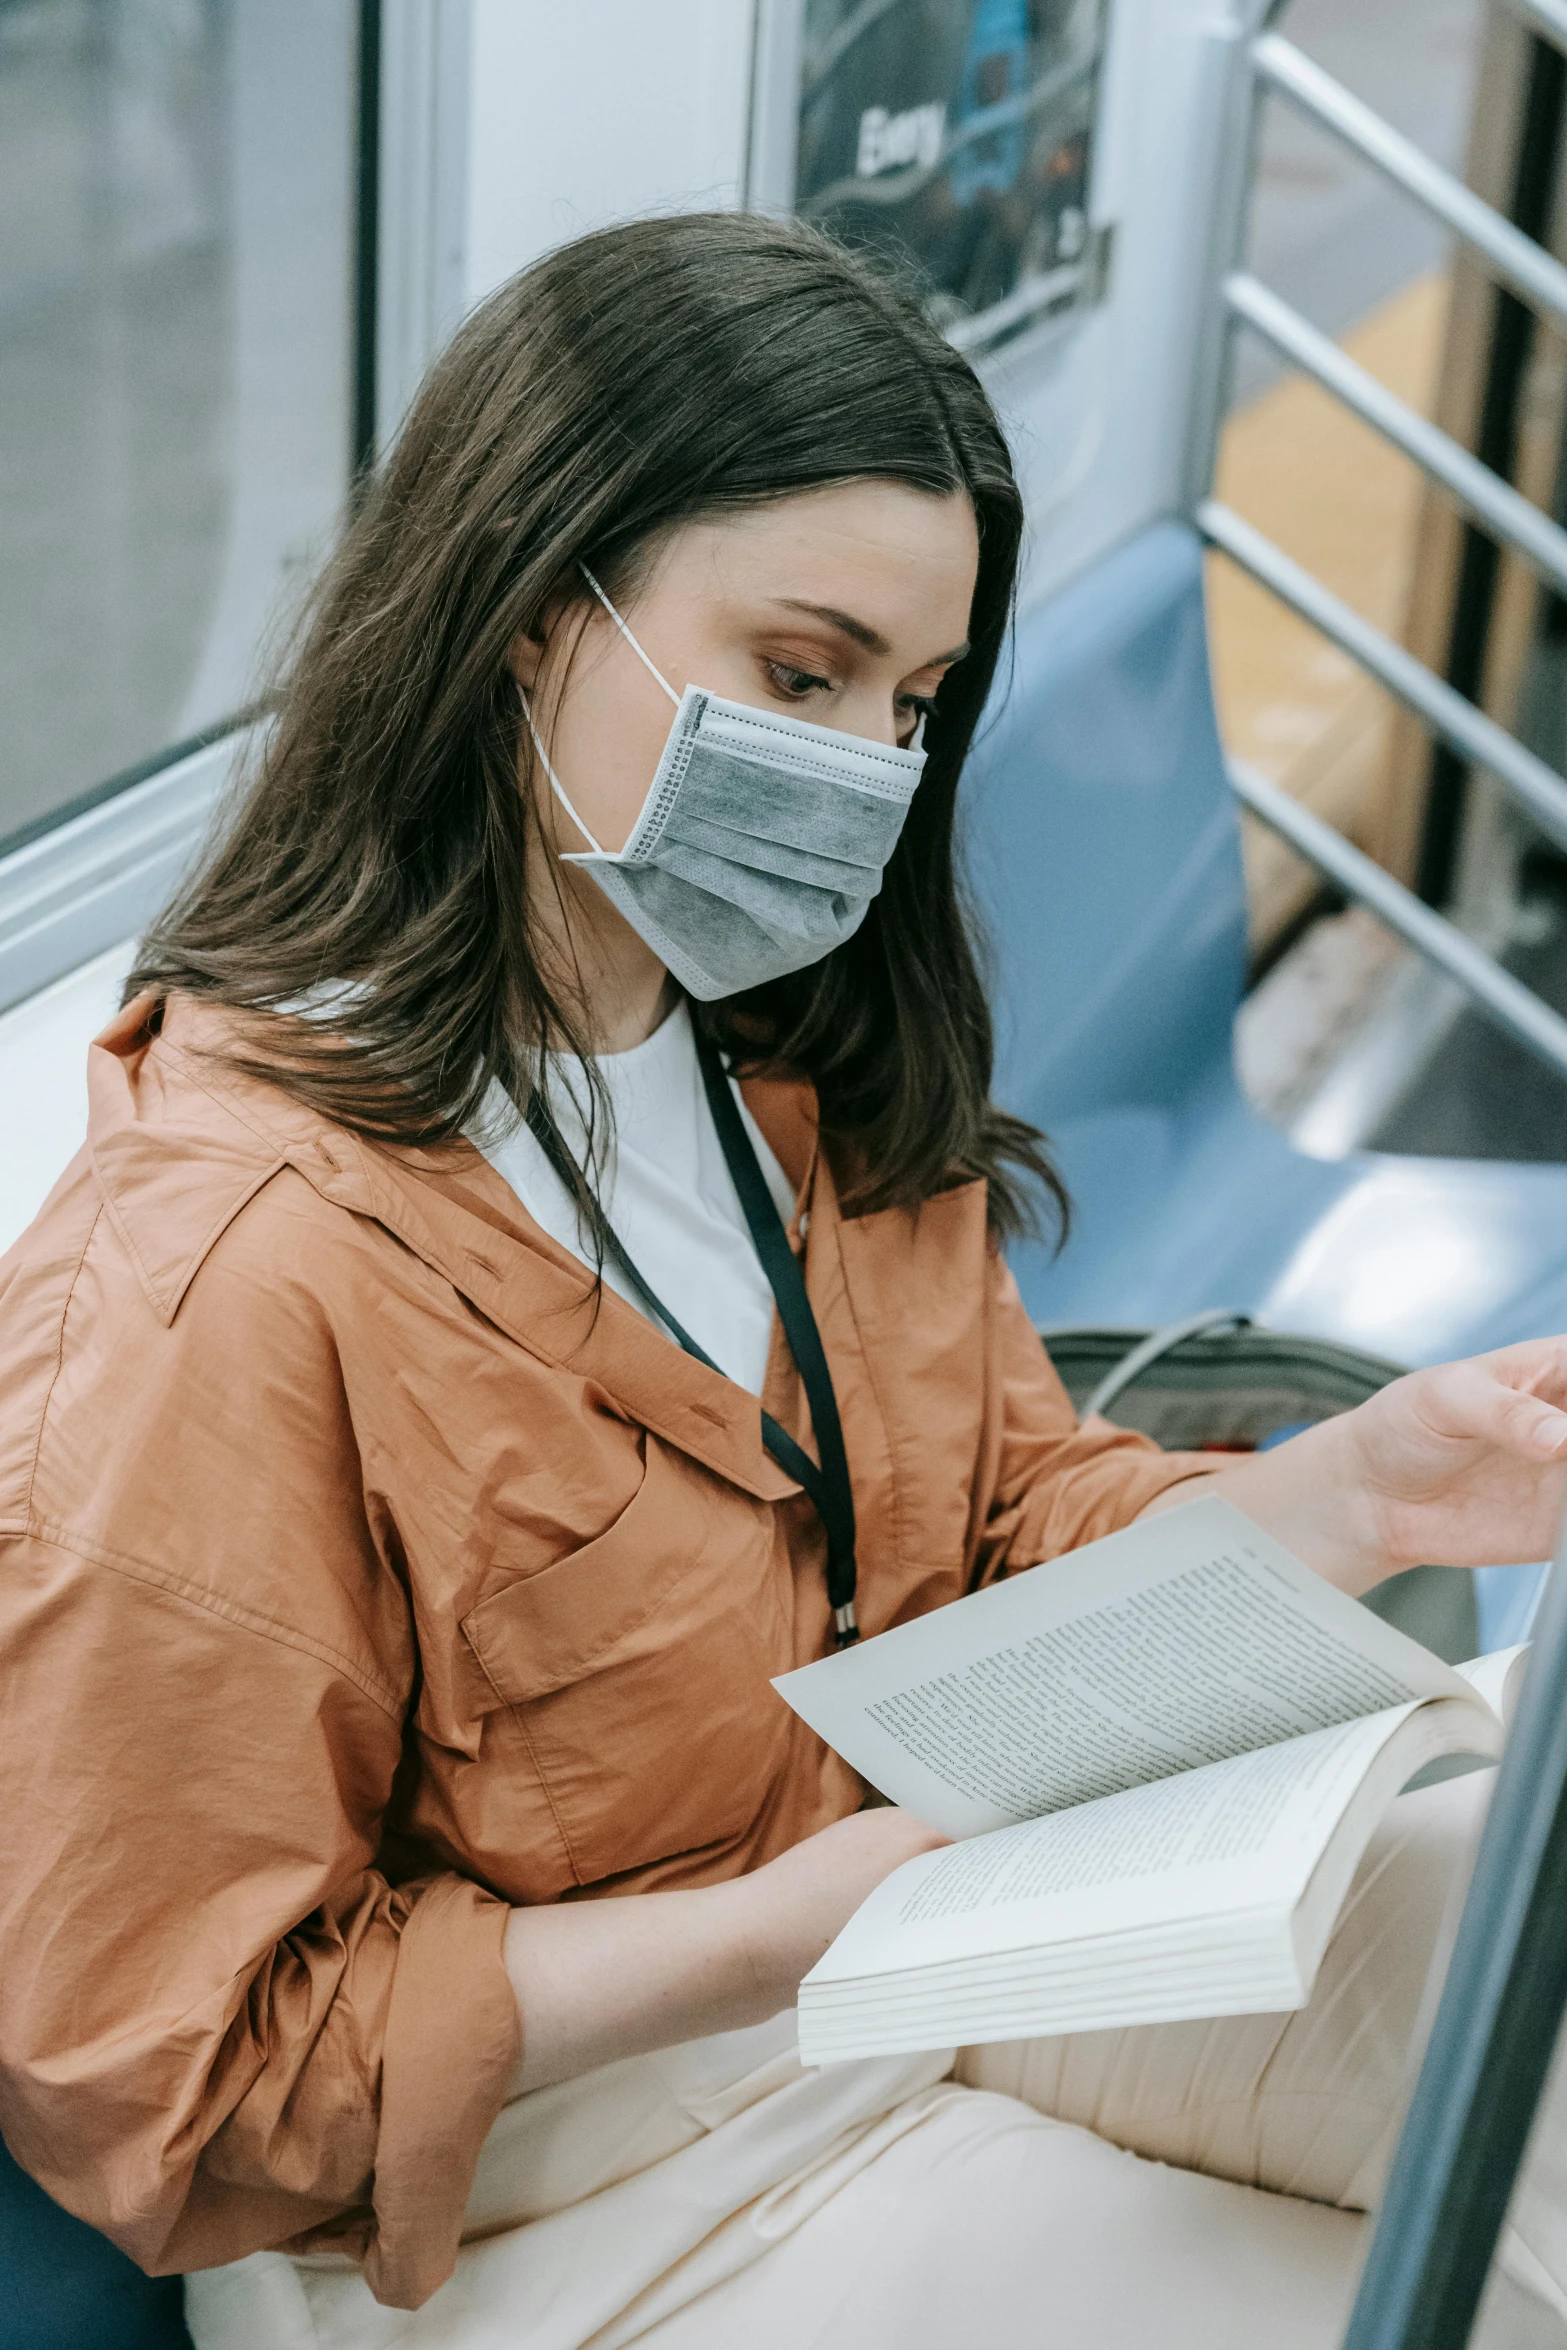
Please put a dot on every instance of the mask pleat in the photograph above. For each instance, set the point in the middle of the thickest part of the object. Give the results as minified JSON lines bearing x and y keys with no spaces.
{"x":759,"y":846}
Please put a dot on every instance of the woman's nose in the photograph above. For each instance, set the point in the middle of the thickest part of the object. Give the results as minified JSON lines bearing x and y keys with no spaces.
{"x":876,"y":718}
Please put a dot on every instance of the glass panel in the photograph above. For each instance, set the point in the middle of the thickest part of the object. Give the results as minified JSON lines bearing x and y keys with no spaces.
{"x":956,"y":139}
{"x":176,"y":221}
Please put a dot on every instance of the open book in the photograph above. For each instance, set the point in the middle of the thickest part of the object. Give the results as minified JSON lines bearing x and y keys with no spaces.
{"x":1160,"y":1759}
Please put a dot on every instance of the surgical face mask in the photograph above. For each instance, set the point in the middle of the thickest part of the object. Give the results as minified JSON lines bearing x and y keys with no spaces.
{"x":760,"y":844}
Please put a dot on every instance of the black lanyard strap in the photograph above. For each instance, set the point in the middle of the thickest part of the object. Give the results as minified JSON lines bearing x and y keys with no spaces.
{"x":827,"y":1486}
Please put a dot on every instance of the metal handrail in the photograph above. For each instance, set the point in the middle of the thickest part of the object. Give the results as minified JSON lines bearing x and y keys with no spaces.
{"x":1483,"y":494}
{"x":1265,"y":62}
{"x":1492,"y":2040}
{"x":1534,"y":785}
{"x":1503,"y":999}
{"x":1527,"y":268}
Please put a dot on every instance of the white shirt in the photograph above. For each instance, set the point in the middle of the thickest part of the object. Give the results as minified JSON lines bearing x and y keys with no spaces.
{"x":666,"y":1191}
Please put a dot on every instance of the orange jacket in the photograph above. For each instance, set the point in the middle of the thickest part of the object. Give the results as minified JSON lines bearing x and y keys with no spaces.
{"x":361,"y":1573}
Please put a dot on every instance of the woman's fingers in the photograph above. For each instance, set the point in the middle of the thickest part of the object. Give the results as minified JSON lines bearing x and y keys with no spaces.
{"x":1541,"y":1430}
{"x":1537,"y":1366}
{"x":1491,"y":1400}
{"x":1466,"y":1464}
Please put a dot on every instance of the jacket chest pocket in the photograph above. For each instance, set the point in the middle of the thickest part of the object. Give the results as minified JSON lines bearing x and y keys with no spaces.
{"x":638,"y":1666}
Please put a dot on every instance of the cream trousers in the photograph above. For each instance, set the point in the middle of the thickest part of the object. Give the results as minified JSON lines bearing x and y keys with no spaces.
{"x":1184,"y":2186}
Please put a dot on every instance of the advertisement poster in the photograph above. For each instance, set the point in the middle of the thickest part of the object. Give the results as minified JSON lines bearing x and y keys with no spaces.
{"x":954,"y":137}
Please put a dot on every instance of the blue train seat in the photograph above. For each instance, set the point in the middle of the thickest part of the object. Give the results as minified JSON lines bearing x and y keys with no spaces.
{"x":65,"y":2287}
{"x":1104,"y":852}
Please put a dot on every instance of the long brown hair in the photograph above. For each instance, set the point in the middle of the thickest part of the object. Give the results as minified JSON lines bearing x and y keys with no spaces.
{"x":632,"y":381}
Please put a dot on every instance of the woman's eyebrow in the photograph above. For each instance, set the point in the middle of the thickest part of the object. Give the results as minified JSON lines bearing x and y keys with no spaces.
{"x":860,"y":631}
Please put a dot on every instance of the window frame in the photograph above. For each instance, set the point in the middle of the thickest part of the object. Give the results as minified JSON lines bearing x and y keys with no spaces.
{"x":87,"y":875}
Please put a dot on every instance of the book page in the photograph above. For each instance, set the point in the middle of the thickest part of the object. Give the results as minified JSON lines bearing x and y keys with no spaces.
{"x":1241,"y":1833}
{"x":1498,"y":1678}
{"x":1190,"y":1637}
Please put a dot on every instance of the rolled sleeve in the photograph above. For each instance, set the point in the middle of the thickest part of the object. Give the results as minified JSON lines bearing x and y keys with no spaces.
{"x":223,"y":2029}
{"x":451,"y":2051}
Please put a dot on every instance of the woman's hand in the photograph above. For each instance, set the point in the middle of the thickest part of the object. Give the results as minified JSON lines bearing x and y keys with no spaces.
{"x":1461,"y":1466}
{"x":802,"y":1901}
{"x":599,"y":1980}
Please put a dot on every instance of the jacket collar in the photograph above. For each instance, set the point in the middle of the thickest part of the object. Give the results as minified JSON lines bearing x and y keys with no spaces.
{"x":179,"y":1145}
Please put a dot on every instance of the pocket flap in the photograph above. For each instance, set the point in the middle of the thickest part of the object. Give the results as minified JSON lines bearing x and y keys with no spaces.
{"x":601,"y":1604}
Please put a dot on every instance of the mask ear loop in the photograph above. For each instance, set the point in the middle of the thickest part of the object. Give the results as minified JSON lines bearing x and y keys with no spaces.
{"x":556,"y":785}
{"x":663,"y":681}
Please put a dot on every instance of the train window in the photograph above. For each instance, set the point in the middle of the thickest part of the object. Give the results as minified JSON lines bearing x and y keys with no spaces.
{"x":957,"y":141}
{"x":176,"y":268}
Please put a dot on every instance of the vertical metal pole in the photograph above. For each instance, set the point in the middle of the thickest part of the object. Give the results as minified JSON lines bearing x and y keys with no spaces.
{"x":1492,"y":2041}
{"x":1513,"y":332}
{"x":367,"y":245}
{"x":1236,"y":109}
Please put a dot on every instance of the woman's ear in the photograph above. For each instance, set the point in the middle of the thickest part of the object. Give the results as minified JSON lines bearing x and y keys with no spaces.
{"x":525,"y":658}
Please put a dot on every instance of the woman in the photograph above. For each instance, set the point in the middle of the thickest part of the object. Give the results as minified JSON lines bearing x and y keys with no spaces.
{"x":409,"y":1870}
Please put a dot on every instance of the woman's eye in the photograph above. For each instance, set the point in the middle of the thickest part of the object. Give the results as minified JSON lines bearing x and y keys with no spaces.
{"x":795,"y":684}
{"x":917,"y":706}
